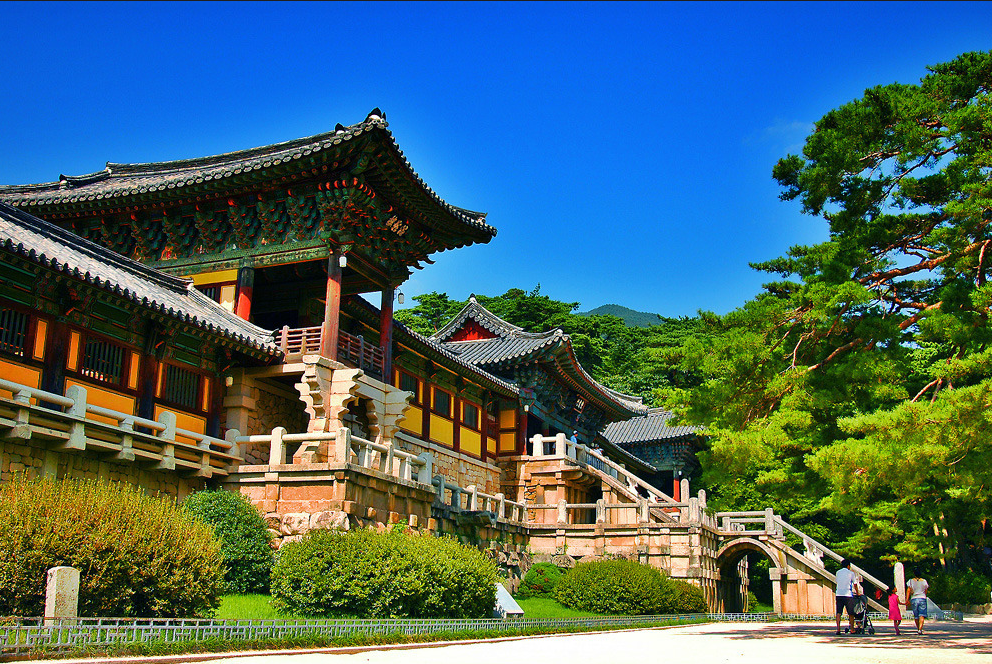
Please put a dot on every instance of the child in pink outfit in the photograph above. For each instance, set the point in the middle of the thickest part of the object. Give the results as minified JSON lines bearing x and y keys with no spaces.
{"x":895,"y":613}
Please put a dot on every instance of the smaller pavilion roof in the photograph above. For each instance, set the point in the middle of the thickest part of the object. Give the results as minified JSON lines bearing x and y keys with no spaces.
{"x":48,"y":245}
{"x":649,"y":428}
{"x":510,"y":345}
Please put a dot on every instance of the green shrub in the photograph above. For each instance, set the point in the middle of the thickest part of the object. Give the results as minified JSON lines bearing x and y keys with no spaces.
{"x":682,"y":597}
{"x":962,"y":587}
{"x":137,"y":555}
{"x":624,"y":587}
{"x":540,"y":581}
{"x":379,"y":575}
{"x":620,"y":587}
{"x":244,"y":538}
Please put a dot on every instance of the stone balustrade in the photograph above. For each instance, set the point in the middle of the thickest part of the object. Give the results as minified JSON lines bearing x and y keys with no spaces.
{"x":472,"y":499}
{"x":341,"y":446}
{"x":74,"y":424}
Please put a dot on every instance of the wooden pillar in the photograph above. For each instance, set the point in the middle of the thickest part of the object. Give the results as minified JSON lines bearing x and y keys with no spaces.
{"x":246,"y":287}
{"x":676,"y":486}
{"x":332,"y":309}
{"x":456,"y":422}
{"x":521,"y":431}
{"x":56,"y":354}
{"x":386,"y":334}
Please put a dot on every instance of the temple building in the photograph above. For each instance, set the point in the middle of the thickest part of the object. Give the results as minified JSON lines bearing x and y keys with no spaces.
{"x":279,"y":243}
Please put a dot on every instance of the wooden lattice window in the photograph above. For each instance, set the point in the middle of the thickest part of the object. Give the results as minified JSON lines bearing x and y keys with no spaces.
{"x":442,"y":403}
{"x":470,"y":415}
{"x":213,"y":292}
{"x":103,"y":360}
{"x":409,"y":383}
{"x":13,"y":331}
{"x":182,"y":387}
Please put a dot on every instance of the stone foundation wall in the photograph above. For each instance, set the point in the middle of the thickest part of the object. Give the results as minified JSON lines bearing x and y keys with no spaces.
{"x":458,"y":468}
{"x":274,"y":406}
{"x":23,"y":457}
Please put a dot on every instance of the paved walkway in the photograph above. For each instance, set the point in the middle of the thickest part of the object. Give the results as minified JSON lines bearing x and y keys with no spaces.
{"x":754,"y":643}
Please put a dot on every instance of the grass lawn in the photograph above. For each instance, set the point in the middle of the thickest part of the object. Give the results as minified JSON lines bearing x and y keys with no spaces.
{"x":248,"y":607}
{"x":542,"y":607}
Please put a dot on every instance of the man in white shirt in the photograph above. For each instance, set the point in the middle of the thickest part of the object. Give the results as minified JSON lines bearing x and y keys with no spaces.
{"x":847,"y":588}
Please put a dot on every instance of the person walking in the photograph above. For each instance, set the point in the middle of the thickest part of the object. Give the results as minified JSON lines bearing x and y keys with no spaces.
{"x":916,"y":599}
{"x":847,"y":588}
{"x":895,"y":613}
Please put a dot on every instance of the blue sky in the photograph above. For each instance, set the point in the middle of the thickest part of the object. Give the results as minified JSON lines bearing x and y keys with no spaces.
{"x":623,"y":151}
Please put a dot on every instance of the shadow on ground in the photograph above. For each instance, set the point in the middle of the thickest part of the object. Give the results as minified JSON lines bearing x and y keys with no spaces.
{"x":973,"y":636}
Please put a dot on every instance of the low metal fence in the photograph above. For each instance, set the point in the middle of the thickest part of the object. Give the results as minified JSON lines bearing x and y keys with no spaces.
{"x":18,"y":635}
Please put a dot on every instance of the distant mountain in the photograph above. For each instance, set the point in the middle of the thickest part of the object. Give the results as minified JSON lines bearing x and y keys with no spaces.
{"x":630,"y":317}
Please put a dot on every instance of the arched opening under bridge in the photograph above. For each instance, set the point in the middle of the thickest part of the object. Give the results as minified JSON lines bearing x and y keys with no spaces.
{"x":736,"y":561}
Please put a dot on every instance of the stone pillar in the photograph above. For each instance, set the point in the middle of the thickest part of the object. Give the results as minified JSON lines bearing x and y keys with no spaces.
{"x":61,"y":595}
{"x":332,"y":309}
{"x":776,"y":576}
{"x":560,"y":446}
{"x":684,"y":490}
{"x":899,"y":580}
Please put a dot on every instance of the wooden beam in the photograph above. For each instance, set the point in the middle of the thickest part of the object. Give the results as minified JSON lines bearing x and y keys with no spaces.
{"x":332,"y":310}
{"x":386,"y":334}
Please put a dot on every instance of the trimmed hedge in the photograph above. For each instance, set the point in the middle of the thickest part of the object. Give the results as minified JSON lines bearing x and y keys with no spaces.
{"x":369,"y":574}
{"x":540,"y":581}
{"x":624,"y":587}
{"x":244,"y":538}
{"x":137,"y":555}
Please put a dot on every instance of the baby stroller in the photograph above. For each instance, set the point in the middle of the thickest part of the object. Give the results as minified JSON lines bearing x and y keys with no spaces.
{"x":862,"y":622}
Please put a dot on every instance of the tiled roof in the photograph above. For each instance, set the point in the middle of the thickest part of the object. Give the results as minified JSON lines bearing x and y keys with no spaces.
{"x":360,"y":307}
{"x":162,"y":180}
{"x":512,"y":345}
{"x":485,"y":318}
{"x":47,"y":244}
{"x":500,"y":349}
{"x":652,"y":427}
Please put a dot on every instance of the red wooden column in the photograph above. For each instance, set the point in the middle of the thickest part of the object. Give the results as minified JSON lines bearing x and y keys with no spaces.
{"x":386,"y":334}
{"x":332,"y":309}
{"x":246,"y":286}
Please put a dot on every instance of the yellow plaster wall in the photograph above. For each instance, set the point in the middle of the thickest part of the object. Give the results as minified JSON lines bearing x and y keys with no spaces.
{"x":507,"y":419}
{"x":470,"y":442}
{"x":414,"y":421}
{"x":491,"y":445}
{"x":39,"y":339}
{"x":104,"y":398}
{"x":18,"y":373}
{"x":207,"y":278}
{"x":186,"y":421}
{"x":507,"y":441}
{"x":442,"y":430}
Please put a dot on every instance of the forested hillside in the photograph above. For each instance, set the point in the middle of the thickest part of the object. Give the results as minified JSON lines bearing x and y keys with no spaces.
{"x":631,"y":317}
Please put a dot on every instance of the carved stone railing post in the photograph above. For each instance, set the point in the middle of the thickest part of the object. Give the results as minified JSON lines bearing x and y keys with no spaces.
{"x":342,"y":446}
{"x":562,"y":511}
{"x":642,"y":510}
{"x":501,"y":506}
{"x":600,"y":511}
{"x":538,"y":444}
{"x":473,"y":498}
{"x":277,"y":448}
{"x":770,"y":521}
{"x":426,"y":472}
{"x":560,"y":448}
{"x":168,"y":437}
{"x":77,"y":430}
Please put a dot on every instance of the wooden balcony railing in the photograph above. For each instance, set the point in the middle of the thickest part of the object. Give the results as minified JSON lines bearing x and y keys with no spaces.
{"x":355,"y":350}
{"x":352,"y":349}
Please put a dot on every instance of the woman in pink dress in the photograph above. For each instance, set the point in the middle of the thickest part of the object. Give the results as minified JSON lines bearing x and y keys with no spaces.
{"x":895,"y":613}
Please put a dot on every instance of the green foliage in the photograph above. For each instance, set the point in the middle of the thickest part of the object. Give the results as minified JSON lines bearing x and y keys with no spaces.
{"x":540,"y":580}
{"x":383,"y":575}
{"x":137,"y":555}
{"x":680,"y":597}
{"x":964,"y":587}
{"x":244,"y":538}
{"x":624,"y":587}
{"x":252,"y":606}
{"x":853,"y":395}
